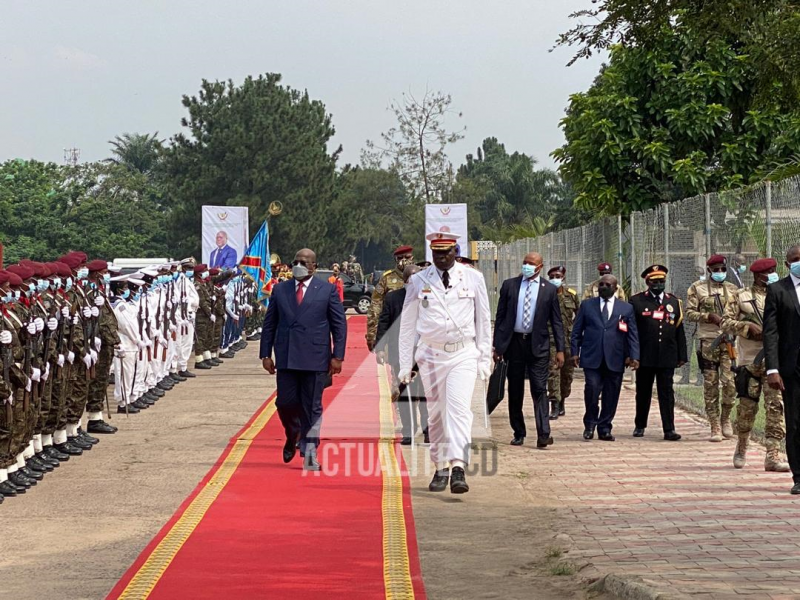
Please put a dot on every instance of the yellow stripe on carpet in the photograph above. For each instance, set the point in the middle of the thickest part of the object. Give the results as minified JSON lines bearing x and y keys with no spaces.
{"x":396,"y":570}
{"x":156,"y":564}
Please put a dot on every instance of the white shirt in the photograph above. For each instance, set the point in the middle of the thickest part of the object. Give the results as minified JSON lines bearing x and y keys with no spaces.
{"x":610,"y":303}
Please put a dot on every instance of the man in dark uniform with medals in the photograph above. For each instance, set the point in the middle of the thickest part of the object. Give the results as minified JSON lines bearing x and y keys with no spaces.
{"x":662,"y":339}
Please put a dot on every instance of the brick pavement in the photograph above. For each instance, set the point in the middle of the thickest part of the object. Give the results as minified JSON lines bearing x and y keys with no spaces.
{"x":676,"y":514}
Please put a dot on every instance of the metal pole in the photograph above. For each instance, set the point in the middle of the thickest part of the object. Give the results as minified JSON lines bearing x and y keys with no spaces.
{"x":708,"y":225}
{"x":666,"y":236}
{"x":581,"y":256}
{"x":632,"y":234}
{"x":619,"y":248}
{"x":769,"y":218}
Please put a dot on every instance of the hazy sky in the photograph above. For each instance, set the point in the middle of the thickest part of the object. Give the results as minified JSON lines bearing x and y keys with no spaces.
{"x":77,"y":73}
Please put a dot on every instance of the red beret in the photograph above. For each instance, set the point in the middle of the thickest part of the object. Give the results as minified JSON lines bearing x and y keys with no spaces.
{"x":21,"y":271}
{"x":97,"y":265}
{"x":213,"y":271}
{"x":62,"y":269}
{"x":3,"y":277}
{"x":70,"y":260}
{"x":403,"y":250}
{"x":763,"y":264}
{"x":603,"y":266}
{"x":200,"y":267}
{"x":716,"y":259}
{"x":79,"y":255}
{"x":14,"y":279}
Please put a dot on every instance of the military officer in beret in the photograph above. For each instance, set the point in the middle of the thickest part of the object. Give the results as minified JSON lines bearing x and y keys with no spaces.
{"x":559,"y":381}
{"x":593,"y":289}
{"x":662,"y":339}
{"x":744,"y":318}
{"x":390,"y":281}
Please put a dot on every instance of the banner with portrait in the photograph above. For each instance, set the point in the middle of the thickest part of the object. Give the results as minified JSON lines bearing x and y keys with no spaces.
{"x":451,"y":218}
{"x":226,"y":235}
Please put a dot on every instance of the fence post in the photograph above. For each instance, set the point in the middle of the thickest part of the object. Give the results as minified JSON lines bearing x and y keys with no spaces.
{"x":619,"y":248}
{"x":707,"y":230}
{"x":632,"y":235}
{"x":580,"y":255}
{"x":769,"y":218}
{"x":666,"y":236}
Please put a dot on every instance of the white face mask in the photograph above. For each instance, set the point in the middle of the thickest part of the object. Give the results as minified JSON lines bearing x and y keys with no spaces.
{"x":299,"y":271}
{"x":557,"y":282}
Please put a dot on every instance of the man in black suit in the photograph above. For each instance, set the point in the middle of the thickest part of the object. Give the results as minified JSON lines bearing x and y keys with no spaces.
{"x":528,"y":304}
{"x":662,"y":342}
{"x":782,"y":346}
{"x":386,"y":348}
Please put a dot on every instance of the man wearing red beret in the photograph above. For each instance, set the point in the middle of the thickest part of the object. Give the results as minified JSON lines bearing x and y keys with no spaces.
{"x":744,"y":318}
{"x":593,"y":289}
{"x":706,"y":302}
{"x":390,"y":281}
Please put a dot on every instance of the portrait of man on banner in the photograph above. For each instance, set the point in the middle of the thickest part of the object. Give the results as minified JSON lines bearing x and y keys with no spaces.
{"x":223,"y":256}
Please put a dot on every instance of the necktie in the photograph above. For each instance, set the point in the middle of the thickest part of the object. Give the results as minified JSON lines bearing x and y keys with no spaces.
{"x":300,"y":294}
{"x":605,"y":310}
{"x":446,"y":279}
{"x":526,"y":308}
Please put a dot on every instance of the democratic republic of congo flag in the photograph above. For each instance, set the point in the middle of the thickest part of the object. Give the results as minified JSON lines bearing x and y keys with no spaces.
{"x":256,"y":260}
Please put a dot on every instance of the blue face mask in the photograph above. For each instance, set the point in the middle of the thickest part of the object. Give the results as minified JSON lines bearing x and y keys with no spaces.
{"x":9,"y":298}
{"x":125,"y":293}
{"x":794,"y":268}
{"x":175,"y":275}
{"x":68,"y":285}
{"x":106,"y":278}
{"x":718,"y":277}
{"x":772,"y":278}
{"x":741,"y":268}
{"x":557,"y":282}
{"x":56,"y":283}
{"x":17,"y":294}
{"x":190,"y":274}
{"x":528,"y":271}
{"x":204,"y":275}
{"x":83,"y":273}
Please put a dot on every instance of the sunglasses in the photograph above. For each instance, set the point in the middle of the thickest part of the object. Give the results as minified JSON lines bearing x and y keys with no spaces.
{"x":300,"y":262}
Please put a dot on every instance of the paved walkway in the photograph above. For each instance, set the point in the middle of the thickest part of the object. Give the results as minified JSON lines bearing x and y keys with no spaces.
{"x":676,"y":514}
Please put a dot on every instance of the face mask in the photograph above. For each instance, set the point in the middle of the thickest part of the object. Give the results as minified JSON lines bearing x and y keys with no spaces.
{"x":107,"y":278}
{"x":41,"y":285}
{"x":772,"y":278}
{"x":606,"y":292}
{"x":742,"y":268}
{"x":175,"y":275}
{"x":9,"y":298}
{"x":702,"y":277}
{"x":56,"y":283}
{"x":125,"y":294}
{"x":31,"y":289}
{"x":68,"y":285}
{"x":190,"y":274}
{"x":299,"y":271}
{"x":557,"y":282}
{"x":657,"y":288}
{"x":136,"y":296}
{"x":718,"y":277}
{"x":83,"y":273}
{"x":529,"y":271}
{"x":17,"y":294}
{"x":795,"y":268}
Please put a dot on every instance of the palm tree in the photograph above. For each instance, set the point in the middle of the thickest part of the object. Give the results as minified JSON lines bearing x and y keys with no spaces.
{"x":136,"y":151}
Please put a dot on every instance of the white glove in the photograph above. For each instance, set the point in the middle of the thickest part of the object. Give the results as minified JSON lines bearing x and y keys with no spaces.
{"x":140,"y":344}
{"x":99,"y":301}
{"x":76,"y":320}
{"x":87,"y":312}
{"x":65,"y":311}
{"x":169,"y":304}
{"x":60,"y":362}
{"x":71,"y":357}
{"x":164,"y":342}
{"x":46,"y":373}
{"x":173,"y":327}
{"x":484,"y":371}
{"x":87,"y":360}
{"x":36,"y":374}
{"x":214,"y":297}
{"x":93,"y":354}
{"x":31,"y":328}
{"x":149,"y":343}
{"x":235,"y":318}
{"x":97,"y":343}
{"x":28,"y":386}
{"x":52,"y":324}
{"x":119,"y":352}
{"x":404,"y":375}
{"x":95,"y":311}
{"x":213,"y":318}
{"x":39,"y":322}
{"x":5,"y":337}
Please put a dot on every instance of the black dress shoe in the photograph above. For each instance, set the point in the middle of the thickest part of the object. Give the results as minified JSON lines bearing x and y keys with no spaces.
{"x":638,"y":432}
{"x":80,"y":443}
{"x":458,"y":481}
{"x":426,"y":439}
{"x":164,"y":386}
{"x":177,"y":378}
{"x":8,"y":489}
{"x":156,"y":392}
{"x":795,"y":489}
{"x":289,"y":449}
{"x":518,"y":441}
{"x":561,"y":409}
{"x":544,"y":442}
{"x":56,"y":454}
{"x":69,"y":449}
{"x":606,"y":437}
{"x":588,"y":434}
{"x":439,"y":481}
{"x":100,"y":427}
{"x":406,"y":441}
{"x":216,"y":361}
{"x":23,"y":483}
{"x":149,"y":399}
{"x":254,"y":336}
{"x":87,"y":438}
{"x":140,"y":405}
{"x":31,"y":474}
{"x":186,"y":374}
{"x":202,"y":365}
{"x":36,"y":464}
{"x":45,"y":457}
{"x":672,"y":436}
{"x":228,"y":354}
{"x":130,"y":410}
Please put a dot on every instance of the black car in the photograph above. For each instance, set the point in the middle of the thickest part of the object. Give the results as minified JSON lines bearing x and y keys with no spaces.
{"x":356,"y":295}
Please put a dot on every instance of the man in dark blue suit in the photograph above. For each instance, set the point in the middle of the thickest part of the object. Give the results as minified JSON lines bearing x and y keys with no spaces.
{"x":604,"y":342}
{"x":223,"y":256}
{"x":304,"y":314}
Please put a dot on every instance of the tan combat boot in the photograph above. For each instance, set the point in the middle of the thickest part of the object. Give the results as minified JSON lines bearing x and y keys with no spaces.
{"x":772,"y":461}
{"x":725,"y":420}
{"x":740,"y":454}
{"x":716,"y":432}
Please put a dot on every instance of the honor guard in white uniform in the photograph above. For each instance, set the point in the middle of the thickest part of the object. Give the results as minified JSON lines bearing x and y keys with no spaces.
{"x":446,"y":312}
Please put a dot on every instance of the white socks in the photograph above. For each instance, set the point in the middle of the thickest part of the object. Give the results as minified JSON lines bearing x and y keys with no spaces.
{"x":47,"y":439}
{"x":37,"y":443}
{"x":94,"y":416}
{"x":60,"y":436}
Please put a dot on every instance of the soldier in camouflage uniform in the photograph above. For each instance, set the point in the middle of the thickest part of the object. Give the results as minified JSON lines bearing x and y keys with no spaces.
{"x":705,"y":305}
{"x":391,"y":280}
{"x":203,"y":321}
{"x":109,"y":340}
{"x":744,"y":319}
{"x":593,"y":290}
{"x":218,"y":280}
{"x":559,"y":381}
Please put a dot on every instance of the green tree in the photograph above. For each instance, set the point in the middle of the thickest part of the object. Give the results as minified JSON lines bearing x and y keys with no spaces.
{"x":250,"y":145}
{"x":136,"y":151}
{"x":666,"y":122}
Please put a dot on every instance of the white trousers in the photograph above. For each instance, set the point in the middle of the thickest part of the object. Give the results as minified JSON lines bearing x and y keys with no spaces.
{"x":123,"y":395}
{"x":449,"y":380}
{"x":185,"y":346}
{"x":142,"y":371}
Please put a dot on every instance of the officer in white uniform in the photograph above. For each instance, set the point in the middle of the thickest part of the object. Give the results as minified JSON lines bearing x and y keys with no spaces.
{"x":447,"y":310}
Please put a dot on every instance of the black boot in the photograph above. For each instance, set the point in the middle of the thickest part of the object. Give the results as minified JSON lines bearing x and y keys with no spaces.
{"x":203,"y":365}
{"x":553,"y":410}
{"x":561,"y":410}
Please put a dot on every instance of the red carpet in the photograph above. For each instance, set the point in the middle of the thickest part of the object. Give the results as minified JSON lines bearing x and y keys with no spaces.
{"x":273,"y":531}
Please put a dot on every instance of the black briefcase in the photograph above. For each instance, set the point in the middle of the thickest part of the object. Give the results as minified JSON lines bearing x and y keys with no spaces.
{"x":496,"y":390}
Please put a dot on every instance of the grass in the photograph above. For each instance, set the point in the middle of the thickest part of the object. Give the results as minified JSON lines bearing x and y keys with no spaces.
{"x":690,"y":398}
{"x":563,"y":569}
{"x":552,"y":552}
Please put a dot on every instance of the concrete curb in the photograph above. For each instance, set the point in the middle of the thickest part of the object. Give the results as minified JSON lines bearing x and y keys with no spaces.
{"x":633,"y":588}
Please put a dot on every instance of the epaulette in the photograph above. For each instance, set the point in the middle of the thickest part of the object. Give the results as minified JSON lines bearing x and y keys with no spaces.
{"x":571,"y":291}
{"x":387,"y":272}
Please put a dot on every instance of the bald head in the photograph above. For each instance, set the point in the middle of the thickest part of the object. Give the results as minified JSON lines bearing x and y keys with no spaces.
{"x":308,"y":259}
{"x":608,"y":281}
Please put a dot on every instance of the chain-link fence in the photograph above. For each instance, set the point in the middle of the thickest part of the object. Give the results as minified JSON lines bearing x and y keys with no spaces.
{"x":760,"y":221}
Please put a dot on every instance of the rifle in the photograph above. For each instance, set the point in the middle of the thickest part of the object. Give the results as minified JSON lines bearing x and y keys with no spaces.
{"x":163,"y":322}
{"x":26,"y":368}
{"x":6,"y":352}
{"x":48,"y":338}
{"x":184,"y":306}
{"x":725,"y":338}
